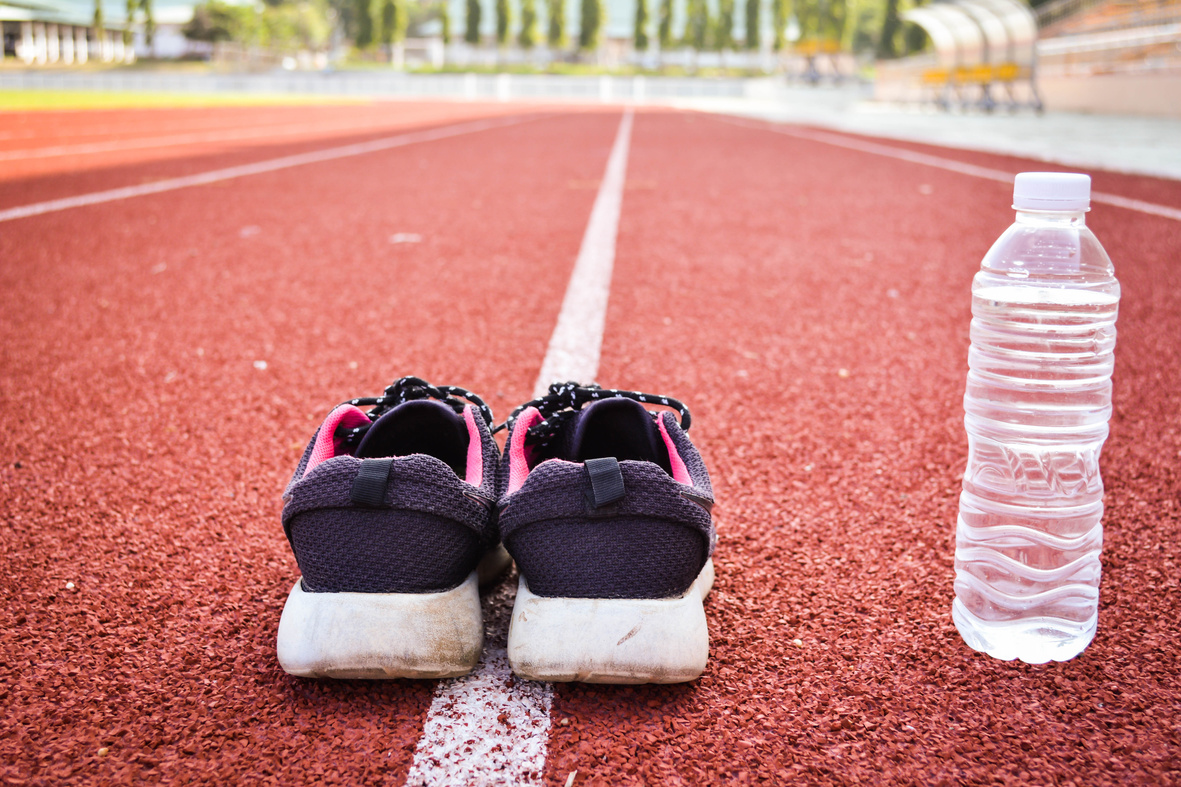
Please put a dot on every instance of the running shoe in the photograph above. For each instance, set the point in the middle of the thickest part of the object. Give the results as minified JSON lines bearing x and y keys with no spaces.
{"x":605,"y":507}
{"x":391,"y":516}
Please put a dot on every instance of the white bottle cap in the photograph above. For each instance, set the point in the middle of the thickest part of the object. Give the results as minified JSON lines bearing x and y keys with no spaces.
{"x":1064,"y":191}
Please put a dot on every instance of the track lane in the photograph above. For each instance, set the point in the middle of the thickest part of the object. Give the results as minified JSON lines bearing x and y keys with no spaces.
{"x":210,"y":177}
{"x":50,"y":127}
{"x":152,"y":450}
{"x":151,"y":147}
{"x":811,"y":306}
{"x":42,"y":131}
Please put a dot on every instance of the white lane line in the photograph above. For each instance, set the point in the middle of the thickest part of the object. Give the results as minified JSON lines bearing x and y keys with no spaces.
{"x":573,"y":352}
{"x":951,"y":165}
{"x":1136,"y":204}
{"x":490,"y":728}
{"x":258,"y":167}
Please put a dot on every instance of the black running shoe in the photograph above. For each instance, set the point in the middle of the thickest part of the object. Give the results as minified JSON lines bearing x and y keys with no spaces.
{"x":605,"y":507}
{"x":391,"y":515}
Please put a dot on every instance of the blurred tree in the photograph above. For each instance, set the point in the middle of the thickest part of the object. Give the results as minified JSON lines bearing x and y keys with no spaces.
{"x":504,"y":21}
{"x":641,"y":27}
{"x":807,"y":13}
{"x":279,"y":24}
{"x":697,"y":24}
{"x":780,"y":11}
{"x":724,"y":33}
{"x":365,"y":35}
{"x":752,"y":23}
{"x":834,"y":18}
{"x":665,"y":30}
{"x":133,"y":7}
{"x":471,"y":30}
{"x":394,"y":20}
{"x":898,"y":38}
{"x":914,"y":38}
{"x":149,"y":21}
{"x":590,"y":26}
{"x":445,"y":22}
{"x":821,"y":20}
{"x":215,"y":20}
{"x":128,"y":32}
{"x":340,"y":14}
{"x":527,"y":37}
{"x":292,"y":26}
{"x":864,"y":22}
{"x":890,"y":26}
{"x":555,"y":34}
{"x":98,"y":19}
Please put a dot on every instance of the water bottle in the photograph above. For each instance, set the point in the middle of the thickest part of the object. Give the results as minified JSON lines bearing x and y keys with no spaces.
{"x":1036,"y":408}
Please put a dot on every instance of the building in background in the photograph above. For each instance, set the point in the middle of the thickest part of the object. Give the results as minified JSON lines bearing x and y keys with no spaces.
{"x":42,"y":32}
{"x":48,"y":32}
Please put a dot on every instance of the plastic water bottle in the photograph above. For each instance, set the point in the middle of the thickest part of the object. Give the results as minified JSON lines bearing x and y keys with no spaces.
{"x":1036,"y":409}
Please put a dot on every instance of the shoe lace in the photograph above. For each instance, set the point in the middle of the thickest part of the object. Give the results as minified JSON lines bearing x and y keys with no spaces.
{"x":403,"y":390}
{"x":562,"y":402}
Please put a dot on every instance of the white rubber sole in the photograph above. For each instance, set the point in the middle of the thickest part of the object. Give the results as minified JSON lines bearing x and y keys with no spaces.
{"x":381,"y":635}
{"x":611,"y":640}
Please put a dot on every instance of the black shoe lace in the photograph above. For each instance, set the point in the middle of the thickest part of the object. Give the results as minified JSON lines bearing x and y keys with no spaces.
{"x":404,"y":390}
{"x":563,"y":401}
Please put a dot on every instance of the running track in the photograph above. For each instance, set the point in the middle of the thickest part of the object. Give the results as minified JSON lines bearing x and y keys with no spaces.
{"x":808,"y":301}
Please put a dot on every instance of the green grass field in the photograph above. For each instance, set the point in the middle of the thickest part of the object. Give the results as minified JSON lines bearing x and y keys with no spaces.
{"x":35,"y":100}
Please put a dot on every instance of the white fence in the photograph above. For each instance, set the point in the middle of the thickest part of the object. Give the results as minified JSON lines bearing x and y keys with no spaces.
{"x":472,"y":87}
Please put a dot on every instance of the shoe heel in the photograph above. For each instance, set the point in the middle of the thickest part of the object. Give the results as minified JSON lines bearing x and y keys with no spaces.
{"x":381,"y":635}
{"x":611,"y":640}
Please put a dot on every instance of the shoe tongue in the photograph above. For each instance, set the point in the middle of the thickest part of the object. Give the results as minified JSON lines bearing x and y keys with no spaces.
{"x":616,"y":427}
{"x":422,"y":426}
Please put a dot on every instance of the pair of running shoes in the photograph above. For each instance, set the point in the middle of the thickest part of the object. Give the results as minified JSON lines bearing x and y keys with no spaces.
{"x":399,"y":514}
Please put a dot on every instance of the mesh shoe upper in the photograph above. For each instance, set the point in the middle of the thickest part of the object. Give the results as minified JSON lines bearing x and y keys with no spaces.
{"x":649,"y":538}
{"x":399,"y":500}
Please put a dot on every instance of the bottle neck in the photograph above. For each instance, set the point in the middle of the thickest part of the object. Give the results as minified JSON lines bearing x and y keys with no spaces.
{"x":1066,"y":219}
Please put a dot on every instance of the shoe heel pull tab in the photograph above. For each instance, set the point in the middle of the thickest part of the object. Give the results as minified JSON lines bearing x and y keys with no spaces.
{"x":370,"y":485}
{"x":606,"y":481}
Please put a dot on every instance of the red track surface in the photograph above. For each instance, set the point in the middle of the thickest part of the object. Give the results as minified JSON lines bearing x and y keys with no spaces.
{"x":46,"y":155}
{"x":143,"y":454}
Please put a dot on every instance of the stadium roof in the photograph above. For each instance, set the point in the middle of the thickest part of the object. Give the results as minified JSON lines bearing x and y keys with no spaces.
{"x":967,"y":32}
